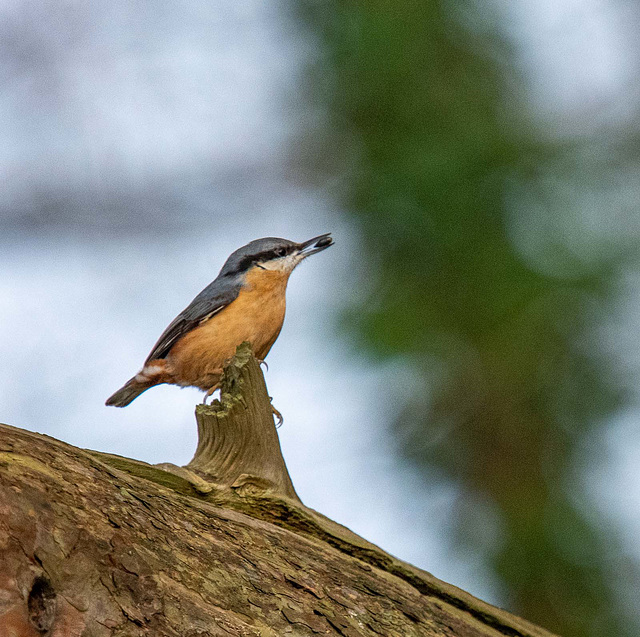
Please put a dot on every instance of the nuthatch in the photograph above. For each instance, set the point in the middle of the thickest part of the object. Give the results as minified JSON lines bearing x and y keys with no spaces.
{"x":246,"y":302}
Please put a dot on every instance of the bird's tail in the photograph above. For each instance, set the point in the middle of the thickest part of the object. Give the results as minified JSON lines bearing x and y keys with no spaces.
{"x":129,"y":392}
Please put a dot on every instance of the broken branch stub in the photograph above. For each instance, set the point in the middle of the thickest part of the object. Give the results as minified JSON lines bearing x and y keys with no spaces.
{"x":238,"y":444}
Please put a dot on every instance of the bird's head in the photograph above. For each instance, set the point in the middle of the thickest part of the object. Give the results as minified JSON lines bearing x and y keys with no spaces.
{"x":271,"y":253}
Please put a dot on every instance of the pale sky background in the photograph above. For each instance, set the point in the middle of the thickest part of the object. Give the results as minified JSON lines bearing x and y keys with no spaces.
{"x":140,"y":145}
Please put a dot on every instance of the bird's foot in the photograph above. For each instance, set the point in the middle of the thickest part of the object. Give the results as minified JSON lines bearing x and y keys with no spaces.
{"x":263,"y":362}
{"x":209,"y":393}
{"x":277,"y":414}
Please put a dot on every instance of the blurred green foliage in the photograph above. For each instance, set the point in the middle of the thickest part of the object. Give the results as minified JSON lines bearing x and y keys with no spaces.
{"x":433,"y":117}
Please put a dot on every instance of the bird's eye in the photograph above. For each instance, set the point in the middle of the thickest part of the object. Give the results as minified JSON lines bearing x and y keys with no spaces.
{"x":281,"y":252}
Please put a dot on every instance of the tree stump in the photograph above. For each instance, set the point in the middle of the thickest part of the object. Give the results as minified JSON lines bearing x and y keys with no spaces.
{"x":96,"y":545}
{"x":237,"y":439}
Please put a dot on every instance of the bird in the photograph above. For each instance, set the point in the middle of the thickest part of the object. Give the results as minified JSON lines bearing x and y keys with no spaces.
{"x":245,"y":302}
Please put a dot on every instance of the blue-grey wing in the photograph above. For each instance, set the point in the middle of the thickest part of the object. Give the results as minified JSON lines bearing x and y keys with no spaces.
{"x":214,"y":298}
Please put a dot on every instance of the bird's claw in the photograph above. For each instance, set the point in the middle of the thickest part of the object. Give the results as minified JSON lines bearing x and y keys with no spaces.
{"x":277,"y":414}
{"x":263,"y":362}
{"x":209,"y":393}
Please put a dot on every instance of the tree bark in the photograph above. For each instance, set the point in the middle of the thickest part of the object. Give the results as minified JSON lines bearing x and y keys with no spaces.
{"x":96,"y":545}
{"x":237,"y":441}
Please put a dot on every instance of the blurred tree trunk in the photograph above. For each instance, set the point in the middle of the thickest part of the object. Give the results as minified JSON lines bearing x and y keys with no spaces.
{"x":98,"y":545}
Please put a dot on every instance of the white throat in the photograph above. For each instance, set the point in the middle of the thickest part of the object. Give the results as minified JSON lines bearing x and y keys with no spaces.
{"x":284,"y":264}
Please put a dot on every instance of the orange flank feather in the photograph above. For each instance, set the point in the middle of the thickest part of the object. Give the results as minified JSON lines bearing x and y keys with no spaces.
{"x":256,"y":316}
{"x":197,"y":359}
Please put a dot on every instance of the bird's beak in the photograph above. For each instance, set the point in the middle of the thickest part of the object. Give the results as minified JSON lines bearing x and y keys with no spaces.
{"x":317,"y":244}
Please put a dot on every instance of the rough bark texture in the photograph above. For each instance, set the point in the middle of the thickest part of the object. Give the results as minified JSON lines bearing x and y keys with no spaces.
{"x":237,"y":441}
{"x":96,"y":545}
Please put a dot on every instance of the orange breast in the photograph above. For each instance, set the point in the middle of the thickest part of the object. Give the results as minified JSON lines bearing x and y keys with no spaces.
{"x":256,"y":316}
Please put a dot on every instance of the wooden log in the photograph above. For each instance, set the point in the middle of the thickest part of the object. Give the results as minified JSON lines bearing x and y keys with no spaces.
{"x":96,"y":545}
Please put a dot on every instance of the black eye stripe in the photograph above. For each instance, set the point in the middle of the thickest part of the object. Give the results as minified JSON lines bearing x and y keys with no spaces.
{"x":267,"y":255}
{"x":271,"y":254}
